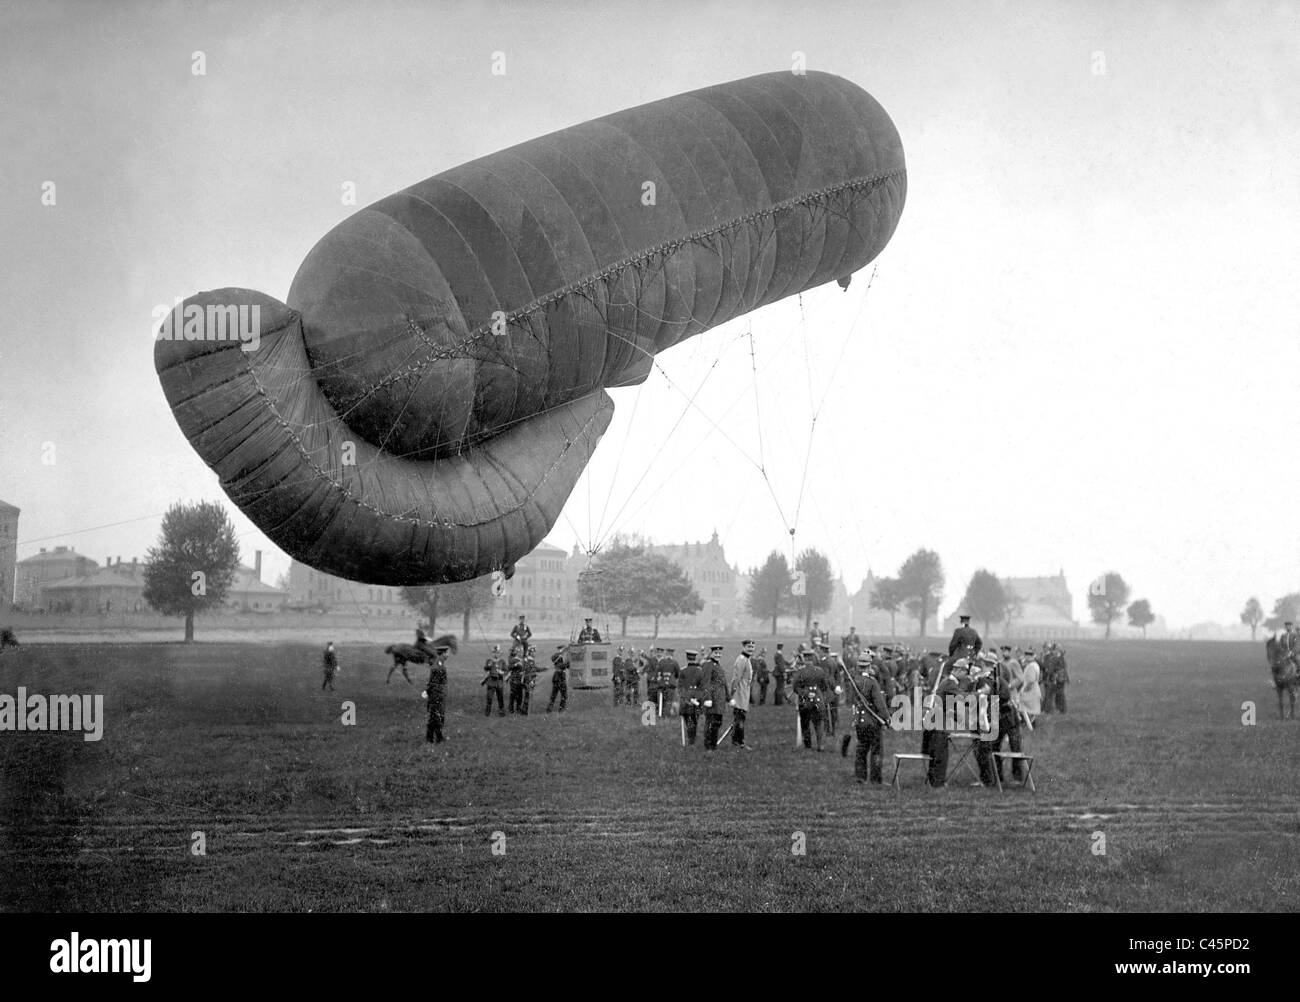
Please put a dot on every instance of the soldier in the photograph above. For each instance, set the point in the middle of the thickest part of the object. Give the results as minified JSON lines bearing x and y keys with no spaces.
{"x":530,"y":678}
{"x":834,"y":677}
{"x":851,"y":645}
{"x":780,"y":674}
{"x":814,"y":635}
{"x":762,"y":675}
{"x":652,"y":676}
{"x":1060,"y":677}
{"x":741,"y":682}
{"x":516,"y":679}
{"x":330,"y":662}
{"x":692,"y":689}
{"x":589,"y":634}
{"x":559,"y":678}
{"x":422,"y":643}
{"x":1047,"y":679}
{"x":631,"y":678}
{"x":870,"y":714}
{"x":987,"y":686}
{"x":519,"y":636}
{"x":1008,"y":714}
{"x":1031,"y":693}
{"x":435,"y":691}
{"x":616,"y":668}
{"x":495,"y":666}
{"x":934,"y":741}
{"x":810,"y":688}
{"x":669,"y":669}
{"x":964,"y":637}
{"x":714,"y":689}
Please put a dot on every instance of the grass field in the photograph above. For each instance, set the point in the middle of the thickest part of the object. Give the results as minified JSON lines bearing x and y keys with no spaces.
{"x":598,"y":812}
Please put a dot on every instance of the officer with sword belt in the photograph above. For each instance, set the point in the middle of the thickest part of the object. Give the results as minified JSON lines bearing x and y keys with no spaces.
{"x":870,"y":716}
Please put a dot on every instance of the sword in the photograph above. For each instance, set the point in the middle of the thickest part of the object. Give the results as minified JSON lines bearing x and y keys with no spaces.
{"x":724,"y":734}
{"x":682,"y":720}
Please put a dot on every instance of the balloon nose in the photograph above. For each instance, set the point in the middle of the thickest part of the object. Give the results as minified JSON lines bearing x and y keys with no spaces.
{"x":218,"y":320}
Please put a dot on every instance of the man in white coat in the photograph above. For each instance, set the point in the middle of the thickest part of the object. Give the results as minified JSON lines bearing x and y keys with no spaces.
{"x":739,"y":682}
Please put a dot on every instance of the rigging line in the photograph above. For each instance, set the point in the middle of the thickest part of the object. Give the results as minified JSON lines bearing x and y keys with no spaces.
{"x":93,"y":528}
{"x":758,"y":416}
{"x":807,"y":352}
{"x":664,"y":443}
{"x":618,"y":464}
{"x":812,"y":428}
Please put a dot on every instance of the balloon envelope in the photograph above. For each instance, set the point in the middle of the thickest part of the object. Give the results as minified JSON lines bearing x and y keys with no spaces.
{"x":422,"y":405}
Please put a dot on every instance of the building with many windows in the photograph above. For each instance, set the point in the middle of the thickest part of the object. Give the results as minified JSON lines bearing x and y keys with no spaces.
{"x":8,"y":554}
{"x":47,"y":567}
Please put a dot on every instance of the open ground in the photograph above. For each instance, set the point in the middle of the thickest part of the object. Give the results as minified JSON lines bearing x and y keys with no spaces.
{"x":593,"y":810}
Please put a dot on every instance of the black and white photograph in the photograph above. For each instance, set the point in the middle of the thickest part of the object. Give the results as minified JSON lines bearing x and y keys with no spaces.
{"x":714,"y":457}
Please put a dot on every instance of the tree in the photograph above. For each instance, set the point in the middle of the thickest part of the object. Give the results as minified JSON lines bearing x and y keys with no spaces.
{"x":1107,"y":597}
{"x":921,"y":583}
{"x":606,"y":583}
{"x":425,"y":599}
{"x":467,"y":598}
{"x":193,"y":566}
{"x":628,"y":581}
{"x":986,"y":600}
{"x":1015,"y":607}
{"x":819,"y":586}
{"x":1141,"y":616}
{"x":888,"y":597}
{"x":665,"y":588}
{"x":769,"y":590}
{"x":1285,"y":609}
{"x":1251,"y":615}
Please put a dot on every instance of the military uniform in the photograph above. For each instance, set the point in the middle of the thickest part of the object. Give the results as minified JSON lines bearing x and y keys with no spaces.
{"x":831,"y":667}
{"x":589,"y":634}
{"x":631,"y":678}
{"x":964,"y":636}
{"x":559,"y":680}
{"x":781,"y":676}
{"x":652,"y":676}
{"x":530,"y":679}
{"x":516,"y":680}
{"x":519,"y":636}
{"x":762,"y":675}
{"x":1008,"y":721}
{"x":691,"y":683}
{"x":740,"y":682}
{"x":495,"y":680}
{"x":810,"y":688}
{"x":330,"y":663}
{"x":435,"y":691}
{"x":669,"y":669}
{"x":714,"y":689}
{"x":616,"y":668}
{"x":869,"y":704}
{"x":935,"y":742}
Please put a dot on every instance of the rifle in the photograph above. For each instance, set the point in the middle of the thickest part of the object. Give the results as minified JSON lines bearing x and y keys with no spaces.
{"x":861,"y":699}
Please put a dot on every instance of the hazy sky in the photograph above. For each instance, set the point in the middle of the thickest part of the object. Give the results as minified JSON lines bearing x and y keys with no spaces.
{"x":1080,"y":349}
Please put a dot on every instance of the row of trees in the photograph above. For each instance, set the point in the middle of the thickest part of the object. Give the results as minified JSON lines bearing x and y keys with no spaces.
{"x":1285,"y":610}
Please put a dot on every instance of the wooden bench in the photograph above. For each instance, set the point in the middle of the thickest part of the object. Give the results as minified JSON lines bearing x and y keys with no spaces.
{"x":901,"y":757}
{"x":1013,"y":757}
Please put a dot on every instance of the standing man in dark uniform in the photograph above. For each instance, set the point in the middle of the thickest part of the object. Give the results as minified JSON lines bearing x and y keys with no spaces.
{"x":652,"y":676}
{"x":631,"y":677}
{"x":715,"y":696}
{"x":762,"y":675}
{"x":435,"y":691}
{"x":519,"y":636}
{"x":963,"y":637}
{"x":934,"y":742}
{"x":516,"y":681}
{"x":589,"y":634}
{"x":870,"y":715}
{"x":781,"y":674}
{"x":810,"y":688}
{"x":669,"y":669}
{"x":495,"y":680}
{"x":616,"y":667}
{"x":692,"y":688}
{"x":560,"y":678}
{"x":826,"y":661}
{"x":330,"y":662}
{"x":530,"y":678}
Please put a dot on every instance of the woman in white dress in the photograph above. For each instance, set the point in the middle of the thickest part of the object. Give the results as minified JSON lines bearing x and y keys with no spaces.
{"x":1031,"y":694}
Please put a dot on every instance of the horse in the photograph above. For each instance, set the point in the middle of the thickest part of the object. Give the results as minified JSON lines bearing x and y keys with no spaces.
{"x":1286,"y":676}
{"x":404,"y":654}
{"x":7,"y":639}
